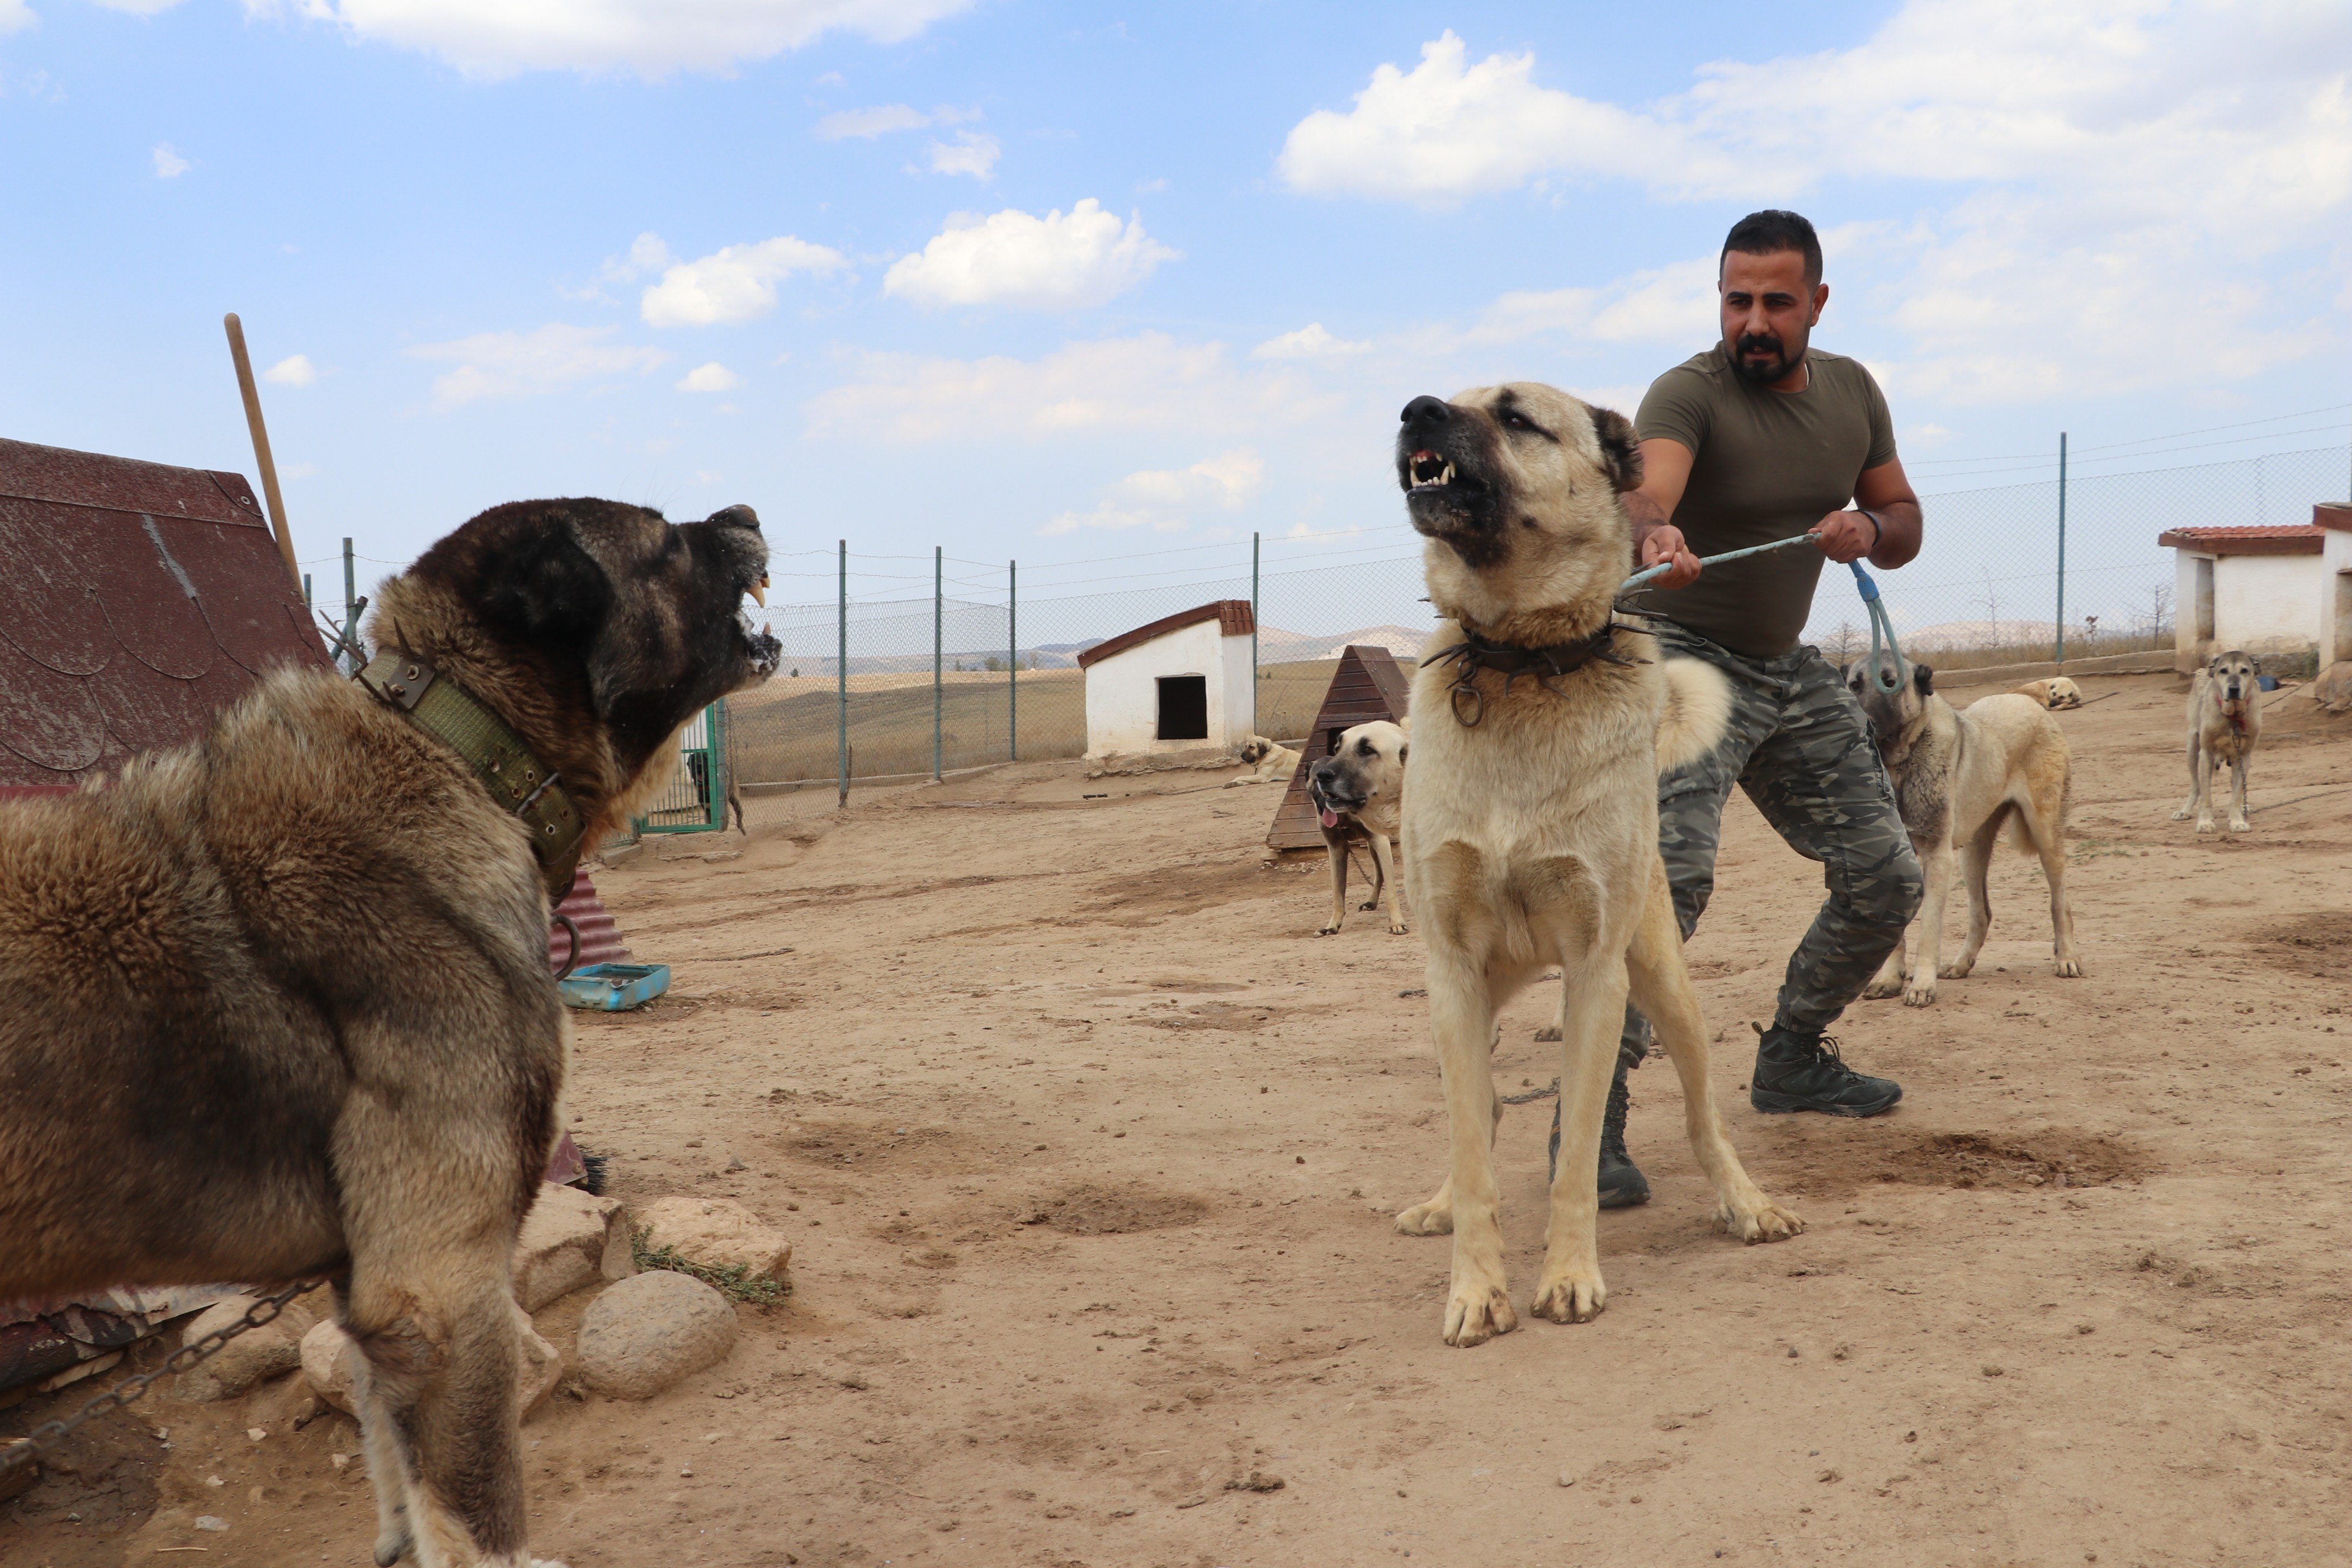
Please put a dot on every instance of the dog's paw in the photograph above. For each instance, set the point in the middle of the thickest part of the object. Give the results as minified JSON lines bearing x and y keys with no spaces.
{"x":1327,"y":931}
{"x":2204,"y":824}
{"x":1396,"y":928}
{"x":1434,"y":1217}
{"x":1958,"y":968}
{"x":2239,"y":824}
{"x":1550,"y":1032}
{"x":2181,"y":816}
{"x":2070,"y":969}
{"x":1571,"y":1294}
{"x":1759,"y":1219}
{"x":1880,"y":988}
{"x":1478,"y":1310}
{"x":1368,"y":905}
{"x":1919,"y":992}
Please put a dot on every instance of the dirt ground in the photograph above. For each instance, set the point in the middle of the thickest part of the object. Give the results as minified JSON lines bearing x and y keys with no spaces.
{"x":1090,"y":1149}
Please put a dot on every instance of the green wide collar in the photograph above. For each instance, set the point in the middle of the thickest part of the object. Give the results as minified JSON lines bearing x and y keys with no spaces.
{"x":499,"y":758}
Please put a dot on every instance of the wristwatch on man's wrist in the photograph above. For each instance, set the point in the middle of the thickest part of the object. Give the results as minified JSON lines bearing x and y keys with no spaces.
{"x":1877,"y":528}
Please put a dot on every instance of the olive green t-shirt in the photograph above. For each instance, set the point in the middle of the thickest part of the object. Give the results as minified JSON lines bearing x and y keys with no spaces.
{"x":1765,"y":465}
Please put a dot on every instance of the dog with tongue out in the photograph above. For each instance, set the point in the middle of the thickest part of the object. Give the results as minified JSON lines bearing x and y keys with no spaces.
{"x":1358,"y":793}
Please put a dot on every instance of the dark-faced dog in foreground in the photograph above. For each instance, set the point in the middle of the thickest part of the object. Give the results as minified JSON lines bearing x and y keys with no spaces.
{"x":280,"y":1000}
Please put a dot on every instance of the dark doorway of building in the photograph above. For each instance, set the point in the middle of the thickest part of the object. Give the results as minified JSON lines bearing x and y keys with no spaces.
{"x":1183,"y":707}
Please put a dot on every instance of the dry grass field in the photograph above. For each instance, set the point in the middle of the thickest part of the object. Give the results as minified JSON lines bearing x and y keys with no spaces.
{"x":1090,"y":1150}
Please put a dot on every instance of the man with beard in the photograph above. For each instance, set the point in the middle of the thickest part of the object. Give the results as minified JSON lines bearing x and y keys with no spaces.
{"x":1760,"y":437}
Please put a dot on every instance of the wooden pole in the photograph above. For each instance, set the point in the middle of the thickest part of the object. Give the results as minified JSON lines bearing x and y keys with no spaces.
{"x":252,"y":395}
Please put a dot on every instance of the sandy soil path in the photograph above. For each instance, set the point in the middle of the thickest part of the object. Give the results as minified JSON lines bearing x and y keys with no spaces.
{"x":1090,"y":1149}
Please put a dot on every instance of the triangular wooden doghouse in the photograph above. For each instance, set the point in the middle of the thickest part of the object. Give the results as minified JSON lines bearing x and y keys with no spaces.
{"x":1368,"y":685}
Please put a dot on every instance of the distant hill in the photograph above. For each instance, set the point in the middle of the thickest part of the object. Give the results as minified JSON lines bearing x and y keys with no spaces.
{"x":1275,"y":646}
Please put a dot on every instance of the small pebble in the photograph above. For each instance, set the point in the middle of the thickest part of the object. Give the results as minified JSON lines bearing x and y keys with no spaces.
{"x":1993,"y":1370}
{"x":255,"y":1433}
{"x":1565,"y":1480}
{"x":211,"y":1522}
{"x":339,"y":1461}
{"x":214,"y":1481}
{"x":688,"y":1471}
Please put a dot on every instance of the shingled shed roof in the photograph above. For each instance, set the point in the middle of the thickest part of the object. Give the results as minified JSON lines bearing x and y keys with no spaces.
{"x":136,"y":600}
{"x":1234,"y":618}
{"x":2261,"y":539}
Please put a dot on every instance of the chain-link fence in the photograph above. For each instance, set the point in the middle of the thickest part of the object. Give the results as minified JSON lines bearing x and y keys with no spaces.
{"x":909,"y":666}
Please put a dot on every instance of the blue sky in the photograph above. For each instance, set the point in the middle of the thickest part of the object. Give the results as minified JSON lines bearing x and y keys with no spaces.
{"x":1062,"y":282}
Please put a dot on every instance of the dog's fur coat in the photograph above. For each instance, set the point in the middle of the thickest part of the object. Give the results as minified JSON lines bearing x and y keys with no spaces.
{"x":2225,"y":722}
{"x":1531,"y":835}
{"x":1357,"y":792}
{"x":1270,"y":762}
{"x":2054,"y":693}
{"x":280,"y":1005}
{"x":1964,"y":777}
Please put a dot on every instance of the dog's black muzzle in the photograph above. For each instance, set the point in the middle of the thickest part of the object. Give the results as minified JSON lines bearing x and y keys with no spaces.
{"x":1437,"y":469}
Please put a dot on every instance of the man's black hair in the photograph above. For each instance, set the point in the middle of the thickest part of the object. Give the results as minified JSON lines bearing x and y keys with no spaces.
{"x":1771,"y":231}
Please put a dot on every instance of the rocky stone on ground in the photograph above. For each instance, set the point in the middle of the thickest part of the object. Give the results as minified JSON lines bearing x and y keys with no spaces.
{"x":644,"y":1334}
{"x":570,"y":1238}
{"x":254,"y":1356}
{"x":716,"y":1233}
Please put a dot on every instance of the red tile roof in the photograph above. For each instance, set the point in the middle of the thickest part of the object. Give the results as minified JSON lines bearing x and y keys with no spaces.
{"x":2270,"y":538}
{"x":1232,"y":618}
{"x":136,"y":600}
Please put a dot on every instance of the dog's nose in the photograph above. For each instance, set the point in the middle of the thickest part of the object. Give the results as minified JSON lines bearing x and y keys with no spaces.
{"x":737,"y":516}
{"x":1426,"y":410}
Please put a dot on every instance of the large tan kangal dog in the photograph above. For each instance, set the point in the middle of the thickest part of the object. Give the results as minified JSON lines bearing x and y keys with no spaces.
{"x":2225,"y":722}
{"x":1358,"y":789}
{"x":1531,"y":817}
{"x":1964,"y":777}
{"x":279,"y":1004}
{"x":1270,"y":762}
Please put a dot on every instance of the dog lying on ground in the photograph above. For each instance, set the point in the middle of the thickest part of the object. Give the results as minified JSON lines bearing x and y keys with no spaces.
{"x":2225,"y":721}
{"x":1531,"y":817}
{"x":1270,"y":762}
{"x":1357,"y":791}
{"x":1964,"y":777}
{"x":2056,"y":692}
{"x":280,"y":1005}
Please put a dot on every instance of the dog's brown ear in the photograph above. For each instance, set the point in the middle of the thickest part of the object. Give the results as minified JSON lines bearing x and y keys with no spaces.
{"x":1621,"y":449}
{"x":1923,"y":679}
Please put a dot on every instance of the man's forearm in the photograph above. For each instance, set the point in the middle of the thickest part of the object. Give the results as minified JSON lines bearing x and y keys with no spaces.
{"x":1898,"y":534}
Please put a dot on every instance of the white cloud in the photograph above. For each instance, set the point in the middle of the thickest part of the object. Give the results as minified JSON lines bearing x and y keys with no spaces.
{"x":737,"y":283}
{"x":1148,"y":382}
{"x":971,"y":153}
{"x":1673,"y":304}
{"x":1309,"y":341}
{"x":16,"y":17}
{"x":711,"y":377}
{"x":526,"y":364}
{"x":653,"y":38}
{"x":870,"y":122}
{"x":138,"y":7}
{"x":1163,"y":498}
{"x":295,"y":370}
{"x":1058,"y":262}
{"x":169,"y":164}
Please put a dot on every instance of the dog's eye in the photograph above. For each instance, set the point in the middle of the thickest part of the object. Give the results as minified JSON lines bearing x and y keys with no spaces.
{"x":1518,"y":421}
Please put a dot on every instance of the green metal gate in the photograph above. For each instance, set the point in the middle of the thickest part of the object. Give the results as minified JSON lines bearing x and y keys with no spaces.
{"x":696,"y":800}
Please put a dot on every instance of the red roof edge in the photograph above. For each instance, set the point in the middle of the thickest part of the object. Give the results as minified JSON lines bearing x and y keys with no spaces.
{"x":2333,"y":514}
{"x":2288,"y":539}
{"x":1233,"y":617}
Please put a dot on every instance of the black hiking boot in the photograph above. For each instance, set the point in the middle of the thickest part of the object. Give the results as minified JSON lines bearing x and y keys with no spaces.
{"x":1798,"y":1069}
{"x":1622,"y":1185}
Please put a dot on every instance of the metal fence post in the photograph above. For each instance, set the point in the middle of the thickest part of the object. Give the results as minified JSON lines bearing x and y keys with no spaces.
{"x":841,"y":677}
{"x":1252,"y":631}
{"x":351,"y":607}
{"x":938,"y":610}
{"x":1012,"y":652}
{"x":2059,"y":655}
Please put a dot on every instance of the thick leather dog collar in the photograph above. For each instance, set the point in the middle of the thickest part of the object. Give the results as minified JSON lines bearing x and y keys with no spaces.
{"x":1474,"y":653}
{"x":499,"y":757}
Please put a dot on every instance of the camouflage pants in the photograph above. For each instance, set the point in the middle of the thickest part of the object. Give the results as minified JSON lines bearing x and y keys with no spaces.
{"x":1798,"y":744}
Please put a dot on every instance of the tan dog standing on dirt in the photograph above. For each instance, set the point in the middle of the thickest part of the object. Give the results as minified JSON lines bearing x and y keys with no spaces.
{"x":1270,"y":762}
{"x":1964,"y":777}
{"x":279,"y":1004}
{"x":1531,"y":819}
{"x":2225,"y":721}
{"x":1357,"y":791}
{"x":2055,"y":693}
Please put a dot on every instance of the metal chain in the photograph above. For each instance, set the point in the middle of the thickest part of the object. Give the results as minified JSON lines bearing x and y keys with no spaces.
{"x":46,"y":1436}
{"x":1544,"y":1093}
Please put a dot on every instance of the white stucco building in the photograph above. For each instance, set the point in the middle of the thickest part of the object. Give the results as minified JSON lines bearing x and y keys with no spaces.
{"x":1183,"y":682}
{"x":2268,"y":590}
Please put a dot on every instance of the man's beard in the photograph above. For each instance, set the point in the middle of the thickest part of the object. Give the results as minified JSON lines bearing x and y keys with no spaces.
{"x":1762,"y":373}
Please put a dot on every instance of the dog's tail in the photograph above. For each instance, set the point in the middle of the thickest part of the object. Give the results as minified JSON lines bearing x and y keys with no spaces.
{"x":1697,"y":712}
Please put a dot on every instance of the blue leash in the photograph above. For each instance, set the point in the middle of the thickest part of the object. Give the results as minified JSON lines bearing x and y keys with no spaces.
{"x":1880,"y":624}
